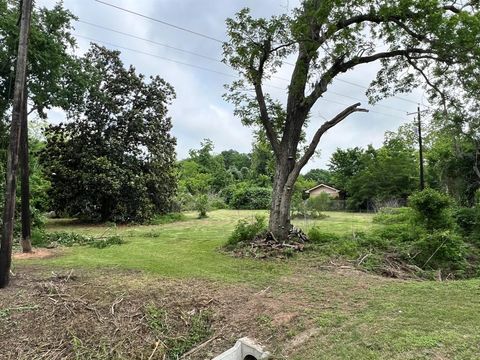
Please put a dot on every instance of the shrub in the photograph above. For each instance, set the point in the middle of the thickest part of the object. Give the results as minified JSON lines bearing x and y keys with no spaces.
{"x":389,"y":216}
{"x":201,"y":205}
{"x":228,"y":192}
{"x":334,"y":245}
{"x":316,"y":235}
{"x":398,"y":233}
{"x":183,"y":201}
{"x":216,"y":202}
{"x":431,"y":208}
{"x":247,"y":230}
{"x":322,"y":202}
{"x":440,"y":250}
{"x":251,"y":198}
{"x":309,"y":214}
{"x":467,"y":220}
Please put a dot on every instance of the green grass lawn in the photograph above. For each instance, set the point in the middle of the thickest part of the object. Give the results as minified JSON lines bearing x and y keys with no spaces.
{"x":356,"y":315}
{"x":189,"y":248}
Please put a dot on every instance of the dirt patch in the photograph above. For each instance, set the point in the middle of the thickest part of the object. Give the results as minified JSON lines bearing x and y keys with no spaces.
{"x":129,"y":315}
{"x":35,"y":254}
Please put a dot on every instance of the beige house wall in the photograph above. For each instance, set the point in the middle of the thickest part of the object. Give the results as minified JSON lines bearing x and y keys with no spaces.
{"x":333,"y":194}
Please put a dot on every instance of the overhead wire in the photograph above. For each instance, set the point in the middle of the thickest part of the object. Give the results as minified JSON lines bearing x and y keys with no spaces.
{"x":154,"y":55}
{"x":147,"y":40}
{"x":161,"y":22}
{"x":215,"y":71}
{"x":197,"y":33}
{"x":205,"y":57}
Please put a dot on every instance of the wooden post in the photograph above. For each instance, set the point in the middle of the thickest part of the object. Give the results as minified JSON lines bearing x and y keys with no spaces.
{"x":25,"y":175}
{"x":13,"y":148}
{"x":420,"y":145}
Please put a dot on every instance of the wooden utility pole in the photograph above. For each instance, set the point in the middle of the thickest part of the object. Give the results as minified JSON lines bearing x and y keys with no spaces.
{"x":25,"y":175}
{"x":13,"y":148}
{"x":420,"y":146}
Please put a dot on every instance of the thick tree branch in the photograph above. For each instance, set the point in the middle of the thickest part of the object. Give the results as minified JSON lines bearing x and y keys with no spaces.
{"x":316,"y":138}
{"x":265,"y":118}
{"x":340,"y":66}
{"x":257,"y":82}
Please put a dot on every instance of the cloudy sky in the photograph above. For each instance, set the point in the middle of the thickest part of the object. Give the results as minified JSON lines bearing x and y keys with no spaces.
{"x":199,"y":111}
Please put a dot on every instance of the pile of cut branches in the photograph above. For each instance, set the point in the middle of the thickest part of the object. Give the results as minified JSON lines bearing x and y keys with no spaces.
{"x":265,"y":245}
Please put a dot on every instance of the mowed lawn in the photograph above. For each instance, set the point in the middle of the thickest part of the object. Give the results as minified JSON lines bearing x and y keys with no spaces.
{"x":346,"y":314}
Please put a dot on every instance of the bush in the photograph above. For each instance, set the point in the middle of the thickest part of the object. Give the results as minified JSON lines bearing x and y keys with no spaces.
{"x":440,"y":250}
{"x":317,"y":236}
{"x":389,"y":216}
{"x":251,"y":198}
{"x":398,"y":233}
{"x":322,"y":202}
{"x":247,"y":230}
{"x":202,"y":205}
{"x":467,"y":220}
{"x":183,"y":201}
{"x":216,"y":202}
{"x":228,"y":192}
{"x":302,"y":210}
{"x":431,"y":208}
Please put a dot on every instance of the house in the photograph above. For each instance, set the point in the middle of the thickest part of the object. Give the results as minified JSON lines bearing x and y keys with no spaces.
{"x":323,"y":189}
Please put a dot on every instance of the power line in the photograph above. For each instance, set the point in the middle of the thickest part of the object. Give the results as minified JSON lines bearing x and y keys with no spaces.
{"x":148,"y":40}
{"x":161,"y":22}
{"x":154,"y":55}
{"x":216,"y":40}
{"x":223,"y":73}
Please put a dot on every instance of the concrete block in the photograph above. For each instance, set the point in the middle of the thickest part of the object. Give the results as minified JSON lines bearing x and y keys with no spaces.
{"x":244,"y":349}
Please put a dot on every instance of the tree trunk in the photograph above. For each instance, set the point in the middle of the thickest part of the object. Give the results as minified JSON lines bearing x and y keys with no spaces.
{"x":13,"y":148}
{"x":279,"y":223}
{"x":25,"y":174}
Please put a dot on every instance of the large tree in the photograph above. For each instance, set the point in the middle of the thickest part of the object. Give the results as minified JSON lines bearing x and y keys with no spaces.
{"x":114,"y":159}
{"x":14,"y":145}
{"x":328,"y":38}
{"x":56,"y":80}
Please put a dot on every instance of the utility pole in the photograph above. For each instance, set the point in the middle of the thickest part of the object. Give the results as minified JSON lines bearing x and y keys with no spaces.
{"x":420,"y":146}
{"x":26,"y":218}
{"x":13,"y":148}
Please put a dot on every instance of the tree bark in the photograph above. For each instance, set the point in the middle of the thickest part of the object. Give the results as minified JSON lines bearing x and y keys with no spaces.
{"x":13,"y":149}
{"x":279,"y":223}
{"x":287,"y":169}
{"x":25,"y":175}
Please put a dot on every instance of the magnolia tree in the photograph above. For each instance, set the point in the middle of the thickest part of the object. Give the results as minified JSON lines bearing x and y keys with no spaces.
{"x":327,"y":38}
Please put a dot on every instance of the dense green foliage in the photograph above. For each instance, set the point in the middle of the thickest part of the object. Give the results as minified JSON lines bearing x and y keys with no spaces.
{"x":229,"y":179}
{"x":430,"y":238}
{"x":374,"y":178}
{"x":126,"y":173}
{"x":246,"y":230}
{"x":56,"y":77}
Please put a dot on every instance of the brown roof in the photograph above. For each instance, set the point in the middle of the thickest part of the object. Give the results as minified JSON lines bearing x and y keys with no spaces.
{"x":320,"y":185}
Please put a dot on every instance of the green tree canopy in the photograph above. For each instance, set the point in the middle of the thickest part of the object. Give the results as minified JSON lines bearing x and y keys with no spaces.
{"x":114,"y":160}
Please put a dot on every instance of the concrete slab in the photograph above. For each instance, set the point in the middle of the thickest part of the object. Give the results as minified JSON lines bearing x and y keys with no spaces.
{"x":244,"y":349}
